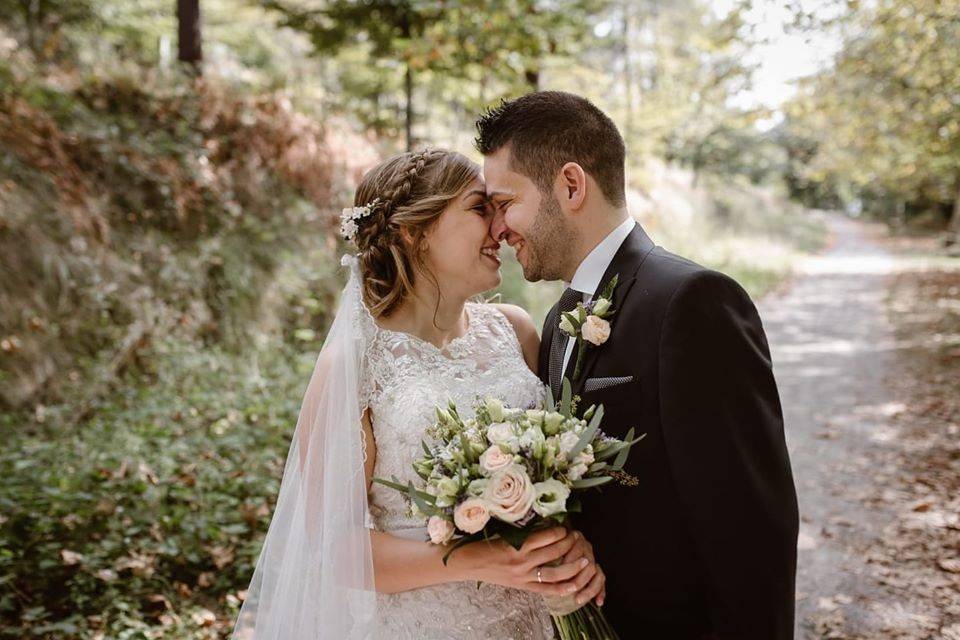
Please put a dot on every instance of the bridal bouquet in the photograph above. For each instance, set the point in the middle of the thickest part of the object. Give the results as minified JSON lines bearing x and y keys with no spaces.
{"x":508,"y":472}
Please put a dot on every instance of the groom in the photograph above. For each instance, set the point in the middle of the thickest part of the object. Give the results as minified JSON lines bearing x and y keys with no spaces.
{"x":704,"y":544}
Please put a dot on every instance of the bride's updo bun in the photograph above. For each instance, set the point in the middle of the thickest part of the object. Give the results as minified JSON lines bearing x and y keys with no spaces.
{"x":413,"y":189}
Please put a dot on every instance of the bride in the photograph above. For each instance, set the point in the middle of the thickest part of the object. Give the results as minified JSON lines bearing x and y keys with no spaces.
{"x":345,"y":557}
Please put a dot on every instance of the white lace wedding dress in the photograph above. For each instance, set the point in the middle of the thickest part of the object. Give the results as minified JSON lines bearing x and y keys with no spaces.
{"x":402,"y":379}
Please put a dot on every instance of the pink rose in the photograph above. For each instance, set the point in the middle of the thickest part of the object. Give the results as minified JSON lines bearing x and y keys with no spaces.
{"x":471,"y":515}
{"x":510,"y":494}
{"x":440,"y":530}
{"x":494,"y":459}
{"x":595,"y":330}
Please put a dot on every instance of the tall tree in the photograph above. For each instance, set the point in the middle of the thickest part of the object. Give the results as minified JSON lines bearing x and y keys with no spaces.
{"x":189,"y":44}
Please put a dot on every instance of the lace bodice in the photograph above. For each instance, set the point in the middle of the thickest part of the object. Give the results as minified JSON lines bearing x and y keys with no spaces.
{"x":403,"y":378}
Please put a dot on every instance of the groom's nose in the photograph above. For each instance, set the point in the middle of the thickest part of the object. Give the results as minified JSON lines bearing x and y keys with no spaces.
{"x":498,"y":225}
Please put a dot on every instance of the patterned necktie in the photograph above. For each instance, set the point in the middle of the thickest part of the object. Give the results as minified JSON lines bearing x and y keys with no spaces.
{"x":558,"y":346}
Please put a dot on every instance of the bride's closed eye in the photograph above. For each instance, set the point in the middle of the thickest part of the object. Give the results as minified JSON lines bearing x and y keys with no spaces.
{"x":482,"y":208}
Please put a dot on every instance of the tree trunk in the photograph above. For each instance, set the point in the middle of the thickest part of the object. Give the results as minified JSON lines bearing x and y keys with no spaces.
{"x":408,"y":90}
{"x":407,"y":84}
{"x":188,"y":33}
{"x":955,"y":220}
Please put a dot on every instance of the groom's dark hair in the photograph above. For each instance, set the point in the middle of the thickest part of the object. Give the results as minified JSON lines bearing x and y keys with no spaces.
{"x":547,"y":129}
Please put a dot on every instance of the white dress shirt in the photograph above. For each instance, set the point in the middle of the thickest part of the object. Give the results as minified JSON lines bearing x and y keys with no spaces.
{"x":591,"y":270}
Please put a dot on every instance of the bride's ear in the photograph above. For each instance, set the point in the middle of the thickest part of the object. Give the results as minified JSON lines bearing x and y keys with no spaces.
{"x":572,"y":181}
{"x":409,"y":242}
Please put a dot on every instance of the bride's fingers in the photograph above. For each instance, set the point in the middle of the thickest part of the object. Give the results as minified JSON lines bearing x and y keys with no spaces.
{"x":560,"y":573}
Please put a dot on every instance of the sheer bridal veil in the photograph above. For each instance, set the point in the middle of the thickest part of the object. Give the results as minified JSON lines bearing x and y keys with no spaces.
{"x":314,"y":577}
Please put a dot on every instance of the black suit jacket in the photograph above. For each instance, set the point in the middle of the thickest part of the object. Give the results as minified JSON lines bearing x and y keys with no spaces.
{"x":706,"y":542}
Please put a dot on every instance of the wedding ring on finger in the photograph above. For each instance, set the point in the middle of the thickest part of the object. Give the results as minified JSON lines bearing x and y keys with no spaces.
{"x":539,"y":578}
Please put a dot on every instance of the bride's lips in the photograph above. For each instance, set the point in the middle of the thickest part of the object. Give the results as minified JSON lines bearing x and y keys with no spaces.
{"x":490,"y":253}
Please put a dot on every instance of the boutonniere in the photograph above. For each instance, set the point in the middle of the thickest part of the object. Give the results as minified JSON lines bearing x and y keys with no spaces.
{"x":589,"y":323}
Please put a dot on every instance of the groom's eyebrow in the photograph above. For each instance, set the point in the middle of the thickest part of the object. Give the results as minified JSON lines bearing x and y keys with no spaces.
{"x":496,"y":194}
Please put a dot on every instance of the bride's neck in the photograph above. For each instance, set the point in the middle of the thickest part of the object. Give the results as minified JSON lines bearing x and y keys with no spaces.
{"x":429,"y":315}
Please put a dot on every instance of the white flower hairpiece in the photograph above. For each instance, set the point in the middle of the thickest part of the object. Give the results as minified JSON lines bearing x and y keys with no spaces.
{"x":350,"y":215}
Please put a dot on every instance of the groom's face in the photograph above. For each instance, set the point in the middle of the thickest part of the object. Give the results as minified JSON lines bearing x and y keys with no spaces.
{"x":530,"y":221}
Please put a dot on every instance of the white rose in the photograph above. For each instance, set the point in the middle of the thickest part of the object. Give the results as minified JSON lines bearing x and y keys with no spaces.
{"x":510,"y":494}
{"x":596,"y":330}
{"x":601,"y":306}
{"x":551,"y":497}
{"x":471,"y":515}
{"x":567,"y":327}
{"x":440,"y":530}
{"x":503,"y":433}
{"x":494,"y":459}
{"x":494,"y":408}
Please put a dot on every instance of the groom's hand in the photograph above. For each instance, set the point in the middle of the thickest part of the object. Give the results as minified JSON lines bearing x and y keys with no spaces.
{"x":589,"y":581}
{"x":577,"y":571}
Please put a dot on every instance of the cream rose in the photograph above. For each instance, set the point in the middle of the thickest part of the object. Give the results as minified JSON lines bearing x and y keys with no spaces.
{"x":440,"y":530}
{"x":510,"y":494}
{"x":471,"y":515}
{"x":595,"y":330}
{"x":494,"y":459}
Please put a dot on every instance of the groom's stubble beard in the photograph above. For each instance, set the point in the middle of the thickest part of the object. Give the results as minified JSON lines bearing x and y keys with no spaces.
{"x":547,"y":241}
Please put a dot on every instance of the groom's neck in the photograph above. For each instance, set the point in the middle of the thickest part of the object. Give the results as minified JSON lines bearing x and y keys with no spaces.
{"x":593,"y":228}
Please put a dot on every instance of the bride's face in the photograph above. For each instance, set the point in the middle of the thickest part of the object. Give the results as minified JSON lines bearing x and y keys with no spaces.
{"x":460,"y":251}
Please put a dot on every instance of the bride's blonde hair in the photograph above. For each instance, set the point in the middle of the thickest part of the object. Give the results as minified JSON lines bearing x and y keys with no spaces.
{"x":413,"y":189}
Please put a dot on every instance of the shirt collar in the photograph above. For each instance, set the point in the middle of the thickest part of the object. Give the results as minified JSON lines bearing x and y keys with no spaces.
{"x":591,"y":270}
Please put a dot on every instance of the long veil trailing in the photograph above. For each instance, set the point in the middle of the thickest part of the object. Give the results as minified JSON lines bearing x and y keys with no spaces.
{"x":314,"y":577}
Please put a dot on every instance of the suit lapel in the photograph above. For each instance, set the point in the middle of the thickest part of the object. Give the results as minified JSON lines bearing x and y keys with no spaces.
{"x":625,"y":264}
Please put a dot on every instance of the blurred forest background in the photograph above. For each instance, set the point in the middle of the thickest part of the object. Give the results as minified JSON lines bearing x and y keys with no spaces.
{"x":171,"y":173}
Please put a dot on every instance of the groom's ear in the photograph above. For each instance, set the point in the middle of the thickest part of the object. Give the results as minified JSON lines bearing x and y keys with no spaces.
{"x":573,"y":184}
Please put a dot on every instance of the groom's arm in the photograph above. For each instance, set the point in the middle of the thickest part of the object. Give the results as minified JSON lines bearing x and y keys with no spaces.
{"x":723,"y":431}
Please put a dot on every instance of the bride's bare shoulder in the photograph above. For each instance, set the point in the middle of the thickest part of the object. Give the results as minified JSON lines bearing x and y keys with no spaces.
{"x":526,"y":331}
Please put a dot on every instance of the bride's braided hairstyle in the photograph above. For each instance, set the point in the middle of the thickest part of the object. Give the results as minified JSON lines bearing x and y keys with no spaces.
{"x":413,"y":190}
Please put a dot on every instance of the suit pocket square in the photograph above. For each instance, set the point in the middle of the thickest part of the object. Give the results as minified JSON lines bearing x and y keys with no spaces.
{"x":596,"y":384}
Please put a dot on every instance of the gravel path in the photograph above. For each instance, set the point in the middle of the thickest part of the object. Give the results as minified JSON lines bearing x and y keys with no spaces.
{"x":832,"y":346}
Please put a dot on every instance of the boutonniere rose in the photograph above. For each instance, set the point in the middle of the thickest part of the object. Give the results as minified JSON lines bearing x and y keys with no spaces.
{"x":589,"y":323}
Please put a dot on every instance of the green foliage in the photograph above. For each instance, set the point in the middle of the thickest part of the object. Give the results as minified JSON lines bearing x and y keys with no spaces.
{"x":879,"y":130}
{"x":153,"y":509}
